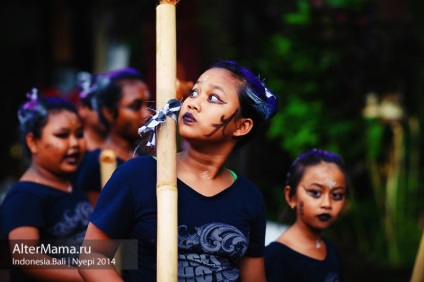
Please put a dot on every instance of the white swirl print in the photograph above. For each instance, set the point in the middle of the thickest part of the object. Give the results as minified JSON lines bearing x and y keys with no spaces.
{"x":210,"y":253}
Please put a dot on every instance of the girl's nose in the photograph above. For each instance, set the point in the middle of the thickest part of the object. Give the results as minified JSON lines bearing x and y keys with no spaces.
{"x":326,"y":202}
{"x":193,"y":104}
{"x":74,"y":140}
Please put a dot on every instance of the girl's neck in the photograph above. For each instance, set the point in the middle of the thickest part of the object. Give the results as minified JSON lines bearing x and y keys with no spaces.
{"x":122,"y":147}
{"x":304,"y":236}
{"x":306,"y":232}
{"x":40,"y":175}
{"x":206,"y":165}
{"x":94,"y":140}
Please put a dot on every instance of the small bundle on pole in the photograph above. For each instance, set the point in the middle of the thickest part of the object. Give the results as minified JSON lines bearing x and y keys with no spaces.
{"x":167,"y":194}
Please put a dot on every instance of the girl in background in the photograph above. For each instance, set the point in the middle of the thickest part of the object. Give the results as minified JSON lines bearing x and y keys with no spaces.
{"x":43,"y":207}
{"x":315,"y":188}
{"x":95,"y":132}
{"x":121,"y":99}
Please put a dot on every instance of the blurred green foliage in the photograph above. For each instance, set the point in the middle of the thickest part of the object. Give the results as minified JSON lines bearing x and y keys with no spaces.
{"x":310,"y":58}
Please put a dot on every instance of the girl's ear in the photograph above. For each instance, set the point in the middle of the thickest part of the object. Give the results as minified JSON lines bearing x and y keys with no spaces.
{"x":244,"y":127}
{"x":31,"y":142}
{"x":107,"y":113}
{"x":291,"y":200}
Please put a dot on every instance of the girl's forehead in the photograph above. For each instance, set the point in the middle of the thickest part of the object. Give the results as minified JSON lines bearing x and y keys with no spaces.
{"x":61,"y":117}
{"x":323,"y":172}
{"x":217,"y":75}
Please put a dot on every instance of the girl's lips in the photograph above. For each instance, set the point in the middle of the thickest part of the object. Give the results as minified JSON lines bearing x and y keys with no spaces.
{"x":188,"y":117}
{"x":73,"y":158}
{"x":324,"y":217}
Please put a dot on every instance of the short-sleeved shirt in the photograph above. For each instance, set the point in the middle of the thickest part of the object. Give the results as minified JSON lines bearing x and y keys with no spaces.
{"x":213,"y":232}
{"x":61,"y":217}
{"x":285,"y":264}
{"x":88,"y":176}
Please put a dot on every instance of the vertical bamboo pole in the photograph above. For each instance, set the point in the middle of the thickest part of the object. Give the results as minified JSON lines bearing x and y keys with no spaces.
{"x":418,"y":270}
{"x":167,"y":253}
{"x":107,"y":165}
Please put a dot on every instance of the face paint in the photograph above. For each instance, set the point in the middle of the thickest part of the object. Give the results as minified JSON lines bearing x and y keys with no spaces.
{"x":223,"y":125}
{"x":301,"y":204}
{"x":205,"y":175}
{"x":330,"y":183}
{"x":206,"y":78}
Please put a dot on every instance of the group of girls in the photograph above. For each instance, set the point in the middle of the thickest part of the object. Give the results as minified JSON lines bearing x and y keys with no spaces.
{"x":221,"y":214}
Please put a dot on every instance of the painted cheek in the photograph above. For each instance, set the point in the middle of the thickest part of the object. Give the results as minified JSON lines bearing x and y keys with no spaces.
{"x":301,"y":208}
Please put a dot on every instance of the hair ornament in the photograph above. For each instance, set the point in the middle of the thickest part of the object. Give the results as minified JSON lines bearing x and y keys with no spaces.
{"x":33,"y":95}
{"x":266,"y":108}
{"x":169,"y":109}
{"x":88,"y":85}
{"x":29,"y":105}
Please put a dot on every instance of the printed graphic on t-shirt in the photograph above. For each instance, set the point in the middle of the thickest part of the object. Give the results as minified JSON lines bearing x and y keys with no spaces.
{"x":72,"y":221}
{"x":210,"y":253}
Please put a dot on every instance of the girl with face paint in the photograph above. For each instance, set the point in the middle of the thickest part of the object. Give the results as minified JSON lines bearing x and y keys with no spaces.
{"x":43,"y":208}
{"x":221,"y":215}
{"x":316,"y":189}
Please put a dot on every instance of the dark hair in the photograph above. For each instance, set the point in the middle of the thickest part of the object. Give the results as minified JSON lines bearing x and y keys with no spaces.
{"x":307,"y":159}
{"x":256,"y":101}
{"x":34,"y":114}
{"x":109,"y":89}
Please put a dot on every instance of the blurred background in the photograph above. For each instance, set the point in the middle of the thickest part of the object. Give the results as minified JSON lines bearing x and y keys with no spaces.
{"x":349,"y":74}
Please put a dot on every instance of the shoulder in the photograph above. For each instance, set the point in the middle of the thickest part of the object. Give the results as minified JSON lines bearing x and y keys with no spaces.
{"x":132,"y":173}
{"x":275,"y":250}
{"x":23,"y":189}
{"x":248,"y":190}
{"x":139,"y":165}
{"x":329,"y":244}
{"x":332,"y":250}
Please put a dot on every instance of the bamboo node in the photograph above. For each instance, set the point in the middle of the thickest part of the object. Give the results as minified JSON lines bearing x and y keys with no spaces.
{"x":166,"y":186}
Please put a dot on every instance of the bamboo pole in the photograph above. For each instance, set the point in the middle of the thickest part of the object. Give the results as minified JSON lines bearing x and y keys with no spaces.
{"x":418,"y":271}
{"x":107,"y":165}
{"x":167,"y":194}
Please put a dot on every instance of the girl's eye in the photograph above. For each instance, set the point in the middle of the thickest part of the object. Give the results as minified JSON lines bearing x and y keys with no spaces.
{"x":194,"y":93}
{"x":314,"y":193}
{"x":135,"y":106}
{"x":337,"y":196}
{"x":62,"y":135}
{"x":80,"y":134}
{"x":213,"y":98}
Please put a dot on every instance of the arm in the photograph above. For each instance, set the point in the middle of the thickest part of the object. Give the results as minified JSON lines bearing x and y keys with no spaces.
{"x":252,"y":269}
{"x":101,"y":246}
{"x":45,"y":273}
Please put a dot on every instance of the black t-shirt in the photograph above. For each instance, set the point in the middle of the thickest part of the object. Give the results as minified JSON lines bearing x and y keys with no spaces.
{"x":285,"y":264}
{"x":213,"y":232}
